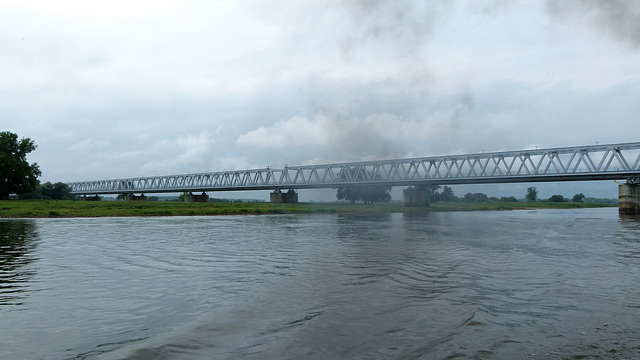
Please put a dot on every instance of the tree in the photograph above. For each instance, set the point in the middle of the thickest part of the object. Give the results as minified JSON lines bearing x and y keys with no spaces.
{"x":532,"y":193}
{"x":476,"y":197}
{"x":49,"y":191}
{"x":366,"y":193}
{"x":16,"y":174}
{"x":351,"y":193}
{"x":468,"y":197}
{"x":57,"y":191}
{"x":447,"y":194}
{"x":556,"y":198}
{"x":578,"y":197}
{"x":480,"y":197}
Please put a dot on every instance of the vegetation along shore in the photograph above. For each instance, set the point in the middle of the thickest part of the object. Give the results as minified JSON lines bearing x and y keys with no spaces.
{"x":68,"y":208}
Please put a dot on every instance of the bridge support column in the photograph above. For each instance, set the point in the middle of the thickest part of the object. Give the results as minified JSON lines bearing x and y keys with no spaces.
{"x":191,"y":197}
{"x":90,"y":198}
{"x":629,"y":199}
{"x":416,"y":196}
{"x":132,"y":197}
{"x":279,"y":197}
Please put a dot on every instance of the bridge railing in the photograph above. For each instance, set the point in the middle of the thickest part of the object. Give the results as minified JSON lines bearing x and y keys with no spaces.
{"x":599,"y":162}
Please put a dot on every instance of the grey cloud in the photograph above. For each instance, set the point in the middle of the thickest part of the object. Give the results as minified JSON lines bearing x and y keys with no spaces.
{"x":619,"y":18}
{"x":398,"y":26}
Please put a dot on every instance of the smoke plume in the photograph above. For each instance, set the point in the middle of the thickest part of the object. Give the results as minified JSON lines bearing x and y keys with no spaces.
{"x":618,"y":18}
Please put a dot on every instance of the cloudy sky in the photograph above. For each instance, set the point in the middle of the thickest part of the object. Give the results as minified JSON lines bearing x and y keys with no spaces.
{"x":111,"y":89}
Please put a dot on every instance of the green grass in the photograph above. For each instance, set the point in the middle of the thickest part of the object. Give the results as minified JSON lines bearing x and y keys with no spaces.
{"x":63,"y":208}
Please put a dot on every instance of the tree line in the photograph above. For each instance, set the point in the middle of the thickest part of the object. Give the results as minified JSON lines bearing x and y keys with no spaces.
{"x":382,"y":193}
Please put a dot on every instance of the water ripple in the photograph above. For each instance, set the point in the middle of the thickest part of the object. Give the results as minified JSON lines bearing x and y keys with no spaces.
{"x":491,"y":285}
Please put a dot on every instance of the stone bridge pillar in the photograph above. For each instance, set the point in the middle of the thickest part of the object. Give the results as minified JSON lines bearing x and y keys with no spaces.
{"x":416,"y":196}
{"x":629,"y":199}
{"x":132,"y":197}
{"x":90,"y":198}
{"x":279,"y":197}
{"x":191,"y":197}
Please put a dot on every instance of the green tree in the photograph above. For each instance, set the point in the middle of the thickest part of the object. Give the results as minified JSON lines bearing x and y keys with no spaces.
{"x":556,"y":198}
{"x":366,"y":193}
{"x":480,"y":197}
{"x":433,"y":191}
{"x":16,"y":174}
{"x":447,"y":194}
{"x":468,"y":197}
{"x":475,"y":197}
{"x":578,"y":197}
{"x":57,"y":191}
{"x":350,"y":193}
{"x":49,"y":191}
{"x":532,"y":193}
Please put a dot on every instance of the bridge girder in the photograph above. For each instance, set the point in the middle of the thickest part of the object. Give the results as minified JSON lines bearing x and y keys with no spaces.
{"x":599,"y":162}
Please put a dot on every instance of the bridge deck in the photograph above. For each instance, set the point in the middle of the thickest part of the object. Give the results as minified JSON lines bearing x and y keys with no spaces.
{"x":599,"y":162}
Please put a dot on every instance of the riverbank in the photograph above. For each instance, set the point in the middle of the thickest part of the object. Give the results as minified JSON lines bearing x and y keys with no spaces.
{"x":65,"y":209}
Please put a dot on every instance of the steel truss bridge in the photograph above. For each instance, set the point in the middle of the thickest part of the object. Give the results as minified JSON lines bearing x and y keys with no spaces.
{"x":596,"y":162}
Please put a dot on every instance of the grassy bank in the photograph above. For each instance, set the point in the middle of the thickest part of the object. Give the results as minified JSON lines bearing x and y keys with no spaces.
{"x":59,"y":208}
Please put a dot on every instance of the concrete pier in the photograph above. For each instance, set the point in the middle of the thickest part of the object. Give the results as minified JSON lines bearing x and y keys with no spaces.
{"x":191,"y":197}
{"x":90,"y":198}
{"x":629,"y":199}
{"x":415,"y":197}
{"x":132,"y":197}
{"x":280,"y":198}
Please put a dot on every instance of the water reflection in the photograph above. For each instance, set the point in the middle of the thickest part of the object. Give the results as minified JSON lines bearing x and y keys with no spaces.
{"x":625,"y":218}
{"x":17,"y":242}
{"x":496,"y":285}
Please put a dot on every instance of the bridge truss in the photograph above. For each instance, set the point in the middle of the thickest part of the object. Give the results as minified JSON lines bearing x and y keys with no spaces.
{"x":599,"y":162}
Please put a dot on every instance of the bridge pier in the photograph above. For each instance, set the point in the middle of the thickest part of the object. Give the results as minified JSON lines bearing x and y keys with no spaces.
{"x":90,"y":198}
{"x":629,"y":199}
{"x":416,"y":197}
{"x":132,"y":197}
{"x":279,"y":197}
{"x":191,"y":197}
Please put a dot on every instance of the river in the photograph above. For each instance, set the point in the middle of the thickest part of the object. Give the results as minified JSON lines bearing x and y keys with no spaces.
{"x":543,"y":284}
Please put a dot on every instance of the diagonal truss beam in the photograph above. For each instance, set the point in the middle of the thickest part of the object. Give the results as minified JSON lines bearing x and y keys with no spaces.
{"x":599,"y":162}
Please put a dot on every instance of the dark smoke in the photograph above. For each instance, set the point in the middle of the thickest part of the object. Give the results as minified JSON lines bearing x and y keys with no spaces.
{"x":401,"y":26}
{"x":618,"y":18}
{"x":396,"y":30}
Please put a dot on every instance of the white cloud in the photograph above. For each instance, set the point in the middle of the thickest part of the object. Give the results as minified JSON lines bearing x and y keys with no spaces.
{"x":88,"y":145}
{"x":184,"y":152}
{"x":194,"y":147}
{"x":93,"y":10}
{"x":296,"y":131}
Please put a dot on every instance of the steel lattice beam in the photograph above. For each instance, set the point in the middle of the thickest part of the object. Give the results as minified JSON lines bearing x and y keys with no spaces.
{"x":599,"y":162}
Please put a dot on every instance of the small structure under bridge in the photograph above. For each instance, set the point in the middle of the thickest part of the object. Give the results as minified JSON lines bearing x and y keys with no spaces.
{"x":581,"y":163}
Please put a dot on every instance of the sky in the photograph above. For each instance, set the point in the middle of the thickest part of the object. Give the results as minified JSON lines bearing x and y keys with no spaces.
{"x":112,"y":89}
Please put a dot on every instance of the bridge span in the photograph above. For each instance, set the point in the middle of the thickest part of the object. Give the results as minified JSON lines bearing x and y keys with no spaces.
{"x":580,"y":163}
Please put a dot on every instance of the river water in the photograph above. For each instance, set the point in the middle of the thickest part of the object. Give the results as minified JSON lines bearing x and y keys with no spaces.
{"x":541,"y":284}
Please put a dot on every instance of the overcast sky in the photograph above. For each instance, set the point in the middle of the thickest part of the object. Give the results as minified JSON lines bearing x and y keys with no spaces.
{"x":111,"y":89}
